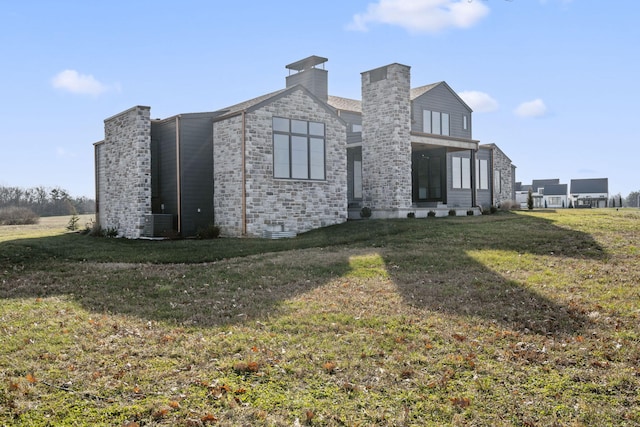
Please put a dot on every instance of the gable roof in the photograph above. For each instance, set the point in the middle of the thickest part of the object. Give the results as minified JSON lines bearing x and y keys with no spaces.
{"x":590,"y":185}
{"x":493,"y":146}
{"x":345,"y":104}
{"x":261,"y":101}
{"x":537,"y":183}
{"x":419,"y":91}
{"x":555,"y":190}
{"x":355,"y":105}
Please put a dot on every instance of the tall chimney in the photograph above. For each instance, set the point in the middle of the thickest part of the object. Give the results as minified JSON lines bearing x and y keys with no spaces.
{"x":386,"y":138}
{"x":307,"y":74}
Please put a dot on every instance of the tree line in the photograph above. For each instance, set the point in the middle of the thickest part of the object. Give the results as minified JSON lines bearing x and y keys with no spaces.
{"x":46,"y":201}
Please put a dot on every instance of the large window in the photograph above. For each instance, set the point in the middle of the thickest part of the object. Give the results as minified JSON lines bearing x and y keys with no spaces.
{"x":435,"y":122}
{"x":482,"y":174}
{"x":461,"y":172}
{"x":298,"y":149}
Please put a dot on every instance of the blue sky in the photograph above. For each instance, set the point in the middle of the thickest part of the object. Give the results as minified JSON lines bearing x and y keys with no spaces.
{"x":554,"y":83}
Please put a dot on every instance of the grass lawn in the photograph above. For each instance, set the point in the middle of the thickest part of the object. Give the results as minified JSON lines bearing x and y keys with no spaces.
{"x":525,"y":319}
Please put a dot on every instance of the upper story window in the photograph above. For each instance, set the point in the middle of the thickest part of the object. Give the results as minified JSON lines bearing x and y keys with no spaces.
{"x":465,"y":122}
{"x":298,"y":149}
{"x":435,"y":122}
{"x":356,"y":128}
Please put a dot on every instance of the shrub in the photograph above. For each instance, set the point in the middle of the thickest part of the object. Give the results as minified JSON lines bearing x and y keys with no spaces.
{"x":493,"y":209}
{"x":18,"y":216}
{"x":470,"y":212}
{"x":431,"y":214}
{"x":209,"y":232}
{"x":508,"y":205}
{"x":411,"y":215}
{"x":72,"y":225}
{"x":452,"y":212}
{"x":365,"y":212}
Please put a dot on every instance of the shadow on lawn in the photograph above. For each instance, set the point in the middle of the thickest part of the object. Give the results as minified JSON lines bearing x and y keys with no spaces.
{"x":431,"y":271}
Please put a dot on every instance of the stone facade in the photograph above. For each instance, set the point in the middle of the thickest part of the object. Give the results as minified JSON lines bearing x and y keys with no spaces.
{"x":386,"y":140}
{"x":270,"y":203}
{"x":123,"y":163}
{"x":503,"y":177}
{"x":227,"y":175}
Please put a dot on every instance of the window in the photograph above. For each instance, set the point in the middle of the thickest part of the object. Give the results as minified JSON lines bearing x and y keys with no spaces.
{"x":356,"y":128}
{"x":435,"y":122}
{"x":298,"y":149}
{"x":497,"y":182}
{"x":555,"y":200}
{"x":465,"y":122}
{"x":482,"y":174}
{"x":357,"y":179}
{"x":461,"y":172}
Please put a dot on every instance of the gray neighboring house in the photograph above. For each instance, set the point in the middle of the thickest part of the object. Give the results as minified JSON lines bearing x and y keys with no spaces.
{"x":590,"y":193}
{"x":297,"y":159}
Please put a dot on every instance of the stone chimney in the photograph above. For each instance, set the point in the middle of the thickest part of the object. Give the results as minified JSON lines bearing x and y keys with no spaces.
{"x":386,"y":140}
{"x":306,"y":73}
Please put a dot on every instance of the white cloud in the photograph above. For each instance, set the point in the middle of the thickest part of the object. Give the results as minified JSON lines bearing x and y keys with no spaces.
{"x":535,"y":108}
{"x":479,"y":102}
{"x":74,"y":82}
{"x":421,"y":16}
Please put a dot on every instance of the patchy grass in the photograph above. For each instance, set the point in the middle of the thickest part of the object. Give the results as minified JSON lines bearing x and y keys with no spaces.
{"x":509,"y":319}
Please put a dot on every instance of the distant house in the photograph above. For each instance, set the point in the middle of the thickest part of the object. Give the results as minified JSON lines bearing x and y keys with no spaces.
{"x":297,"y":159}
{"x":592,"y":192}
{"x":555,"y":196}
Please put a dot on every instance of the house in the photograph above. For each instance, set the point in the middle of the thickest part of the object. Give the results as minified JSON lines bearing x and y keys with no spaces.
{"x":590,"y":193}
{"x":555,"y":196}
{"x":412,"y":151}
{"x":538,"y":190}
{"x":297,"y":159}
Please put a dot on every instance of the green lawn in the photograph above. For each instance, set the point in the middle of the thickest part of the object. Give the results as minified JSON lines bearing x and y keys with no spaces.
{"x":525,"y":318}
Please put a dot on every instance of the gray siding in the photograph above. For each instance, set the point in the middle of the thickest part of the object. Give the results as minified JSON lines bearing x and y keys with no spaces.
{"x":164,"y":198}
{"x":441,"y":99}
{"x":457,"y":197}
{"x":351,"y":118}
{"x":484,"y":197}
{"x":196,"y":172}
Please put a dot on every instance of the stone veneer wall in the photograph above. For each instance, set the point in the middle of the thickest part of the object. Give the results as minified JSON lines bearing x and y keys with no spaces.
{"x":503,"y":164}
{"x":227,"y":175}
{"x":123,"y":161}
{"x":386,"y":139}
{"x":297,"y":205}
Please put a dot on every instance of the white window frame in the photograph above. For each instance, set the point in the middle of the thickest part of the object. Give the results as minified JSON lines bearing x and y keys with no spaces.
{"x":436,"y":122}
{"x":461,"y":173}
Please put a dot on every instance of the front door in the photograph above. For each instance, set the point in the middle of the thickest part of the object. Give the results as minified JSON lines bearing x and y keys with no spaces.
{"x":429,"y":176}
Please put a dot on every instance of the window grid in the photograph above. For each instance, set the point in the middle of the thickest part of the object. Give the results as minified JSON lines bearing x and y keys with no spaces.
{"x":298,"y":149}
{"x":435,"y":122}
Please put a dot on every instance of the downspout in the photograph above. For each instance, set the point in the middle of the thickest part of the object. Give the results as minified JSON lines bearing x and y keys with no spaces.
{"x":244,"y":175}
{"x":178,"y":174}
